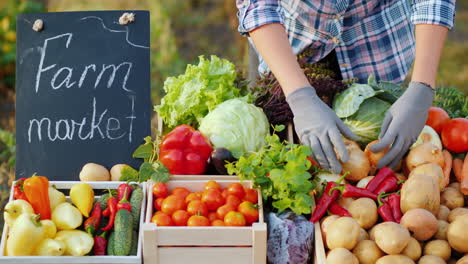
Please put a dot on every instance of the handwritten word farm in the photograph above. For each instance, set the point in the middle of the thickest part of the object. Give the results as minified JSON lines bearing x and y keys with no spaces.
{"x":97,"y":122}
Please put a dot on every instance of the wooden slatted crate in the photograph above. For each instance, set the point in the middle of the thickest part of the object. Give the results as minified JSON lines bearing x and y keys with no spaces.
{"x":207,"y":245}
{"x":65,"y":186}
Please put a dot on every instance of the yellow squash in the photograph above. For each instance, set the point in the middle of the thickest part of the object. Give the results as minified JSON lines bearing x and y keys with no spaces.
{"x":82,"y":196}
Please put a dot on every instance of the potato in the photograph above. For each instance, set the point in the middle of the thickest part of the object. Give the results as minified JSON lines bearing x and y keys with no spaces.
{"x":457,"y":234}
{"x":442,"y":230}
{"x":116,"y":171}
{"x":371,"y":233}
{"x":94,"y":172}
{"x":430,"y":169}
{"x":453,"y":261}
{"x":456,"y":213}
{"x":345,"y":201}
{"x":413,"y":249}
{"x":463,"y":260}
{"x":439,"y":248}
{"x":444,"y":211}
{"x":421,"y":222}
{"x":429,"y":259}
{"x":341,"y":256}
{"x":367,"y":252}
{"x":364,"y":210}
{"x":452,"y":198}
{"x":324,"y":225}
{"x":420,"y":191}
{"x":394,"y":259}
{"x":343,"y":233}
{"x":391,"y":237}
{"x":455,"y":185}
{"x":363,"y":235}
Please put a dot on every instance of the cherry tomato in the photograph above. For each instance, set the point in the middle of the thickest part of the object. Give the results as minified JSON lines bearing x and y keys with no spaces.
{"x":249,"y":210}
{"x":162,"y":219}
{"x":172,"y":203}
{"x":157,"y":203}
{"x":455,"y":135}
{"x":436,"y":118}
{"x":198,"y":220}
{"x":217,"y":222}
{"x":180,"y":217}
{"x":234,"y":219}
{"x":223,"y":210}
{"x":251,"y":195}
{"x":212,"y":216}
{"x":233,"y":200}
{"x":192,"y":197}
{"x":197,"y":207}
{"x":212,"y":198}
{"x":236,"y":189}
{"x":160,"y":190}
{"x":181,"y":191}
{"x":212,"y":185}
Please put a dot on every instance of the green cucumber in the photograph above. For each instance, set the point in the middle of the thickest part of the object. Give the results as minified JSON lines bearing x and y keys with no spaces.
{"x":134,"y":249}
{"x":123,"y":228}
{"x":110,"y":244}
{"x":135,"y":201}
{"x":103,"y":199}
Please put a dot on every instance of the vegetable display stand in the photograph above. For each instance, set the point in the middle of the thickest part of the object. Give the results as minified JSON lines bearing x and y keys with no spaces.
{"x":65,"y":186}
{"x":181,"y":244}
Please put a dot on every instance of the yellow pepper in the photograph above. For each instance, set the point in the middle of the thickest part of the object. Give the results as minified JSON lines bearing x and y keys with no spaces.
{"x":14,"y":209}
{"x":55,"y":197}
{"x":82,"y":196}
{"x":77,"y":242}
{"x":50,"y":229}
{"x":24,"y":236}
{"x":50,"y":247}
{"x":66,"y":216}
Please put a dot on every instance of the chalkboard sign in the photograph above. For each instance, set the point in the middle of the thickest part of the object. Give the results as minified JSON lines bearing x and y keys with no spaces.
{"x":82,"y":91}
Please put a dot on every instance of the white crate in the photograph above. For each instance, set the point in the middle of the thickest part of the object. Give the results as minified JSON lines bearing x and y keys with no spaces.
{"x":207,"y":245}
{"x":66,"y":185}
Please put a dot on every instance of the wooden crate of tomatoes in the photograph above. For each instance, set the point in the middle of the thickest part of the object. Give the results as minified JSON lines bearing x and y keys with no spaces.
{"x":204,"y":221}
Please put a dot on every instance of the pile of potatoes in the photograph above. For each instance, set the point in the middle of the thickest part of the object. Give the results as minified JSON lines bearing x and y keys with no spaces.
{"x":433,"y":230}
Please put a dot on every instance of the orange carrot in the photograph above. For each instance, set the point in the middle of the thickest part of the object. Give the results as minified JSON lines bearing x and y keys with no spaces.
{"x":448,"y":166}
{"x":464,"y":176}
{"x":457,"y":166}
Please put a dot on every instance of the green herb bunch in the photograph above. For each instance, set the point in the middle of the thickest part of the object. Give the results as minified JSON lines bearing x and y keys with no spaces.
{"x":452,"y":100}
{"x":281,"y":170}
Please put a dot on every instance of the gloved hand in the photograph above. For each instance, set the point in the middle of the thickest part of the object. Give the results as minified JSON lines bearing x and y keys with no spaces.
{"x":319,"y":127}
{"x":403,"y":123}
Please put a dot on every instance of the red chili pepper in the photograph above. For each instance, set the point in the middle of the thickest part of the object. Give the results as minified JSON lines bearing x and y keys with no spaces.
{"x":92,"y":223}
{"x":185,"y":151}
{"x":124,"y":190}
{"x":389,"y":184}
{"x":124,"y":203}
{"x":100,"y":245}
{"x":394,"y":202}
{"x":106,"y":212}
{"x":328,"y":197}
{"x":337,"y":209}
{"x":381,"y":175}
{"x":349,"y":190}
{"x":19,"y":191}
{"x":112,"y":205}
{"x":385,"y":211}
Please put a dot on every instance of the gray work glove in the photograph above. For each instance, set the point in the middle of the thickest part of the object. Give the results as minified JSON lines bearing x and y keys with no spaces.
{"x":403,"y":123}
{"x":320,"y":128}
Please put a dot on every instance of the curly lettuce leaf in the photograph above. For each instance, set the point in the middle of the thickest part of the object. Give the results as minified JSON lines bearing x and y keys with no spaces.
{"x":190,"y":96}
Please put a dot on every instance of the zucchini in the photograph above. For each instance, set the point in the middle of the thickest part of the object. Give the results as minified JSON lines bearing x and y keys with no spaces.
{"x":123,"y":228}
{"x":134,"y":248}
{"x":135,"y":201}
{"x":110,"y":244}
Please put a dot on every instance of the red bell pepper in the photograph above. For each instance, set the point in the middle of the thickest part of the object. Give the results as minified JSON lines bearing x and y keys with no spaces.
{"x":328,"y":197}
{"x":124,"y":190}
{"x":337,"y":209}
{"x":384,"y":210}
{"x":349,"y":190}
{"x":19,"y":190}
{"x":100,"y":245}
{"x":381,"y":175}
{"x":394,"y":202}
{"x":124,"y":203}
{"x":185,"y":151}
{"x":389,"y":184}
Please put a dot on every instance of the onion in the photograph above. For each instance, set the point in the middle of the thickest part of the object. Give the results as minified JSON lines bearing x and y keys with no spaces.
{"x":428,"y":134}
{"x":424,"y":153}
{"x":363,"y":182}
{"x":324,"y":177}
{"x":374,"y":157}
{"x":358,"y":165}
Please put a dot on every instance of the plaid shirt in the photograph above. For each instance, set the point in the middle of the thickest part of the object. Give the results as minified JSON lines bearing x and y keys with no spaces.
{"x":369,"y":36}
